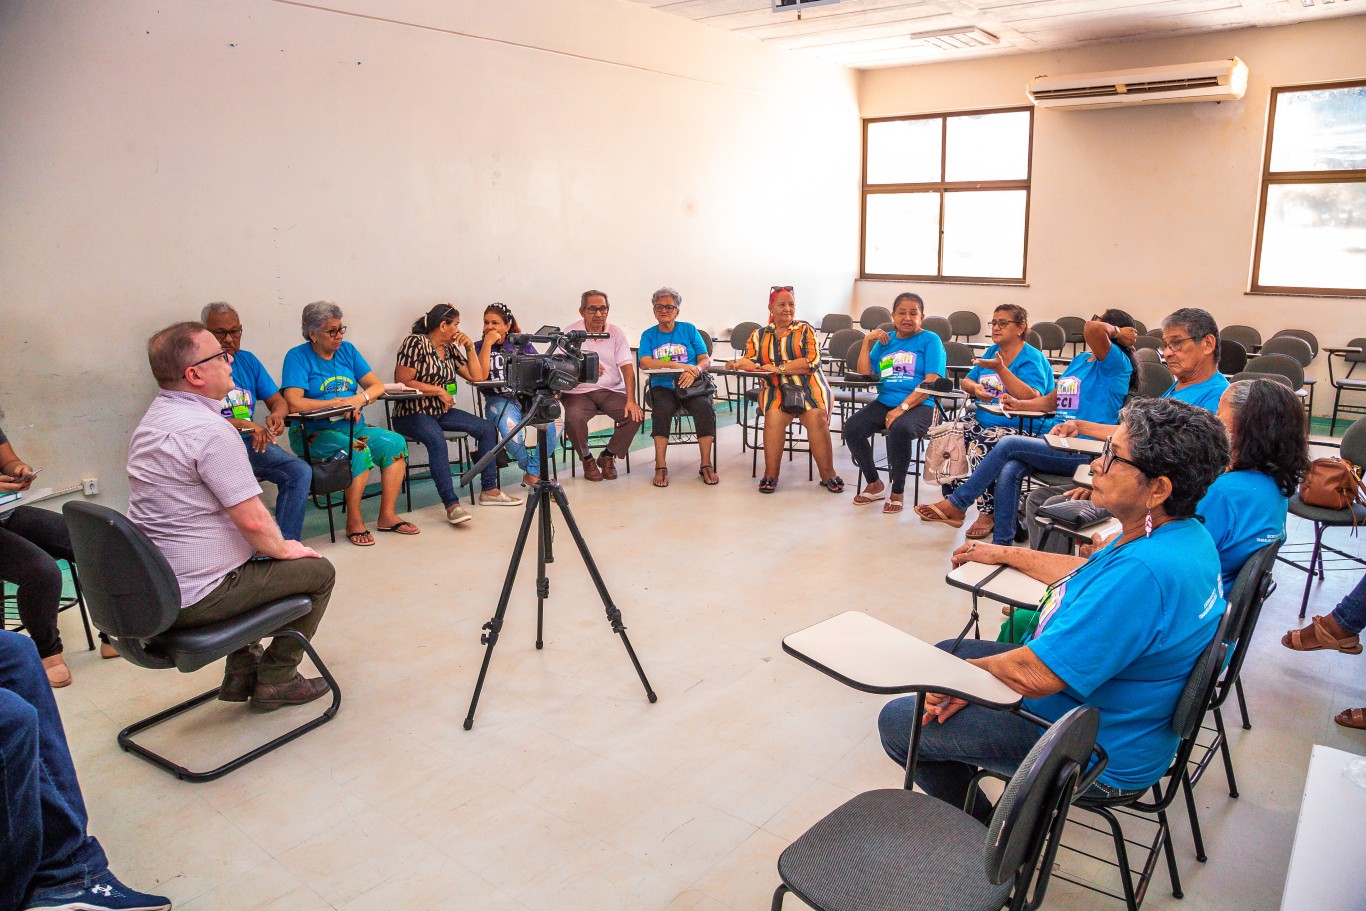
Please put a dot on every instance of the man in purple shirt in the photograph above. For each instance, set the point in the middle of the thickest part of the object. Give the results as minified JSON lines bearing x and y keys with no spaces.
{"x":612,"y":394}
{"x":192,"y":491}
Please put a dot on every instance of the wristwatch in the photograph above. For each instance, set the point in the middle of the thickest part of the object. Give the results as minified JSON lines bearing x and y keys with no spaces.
{"x":366,"y":395}
{"x":904,"y":407}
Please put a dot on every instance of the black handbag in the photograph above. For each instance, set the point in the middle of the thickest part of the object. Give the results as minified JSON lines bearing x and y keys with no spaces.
{"x":332,"y":475}
{"x":793,"y":397}
{"x":1075,"y":514}
{"x":702,"y":387}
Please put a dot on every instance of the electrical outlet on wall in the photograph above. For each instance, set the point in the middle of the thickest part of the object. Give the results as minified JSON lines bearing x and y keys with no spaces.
{"x":90,"y":486}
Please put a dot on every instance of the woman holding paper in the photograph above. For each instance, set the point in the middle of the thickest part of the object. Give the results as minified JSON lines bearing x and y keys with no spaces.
{"x":1094,"y":383}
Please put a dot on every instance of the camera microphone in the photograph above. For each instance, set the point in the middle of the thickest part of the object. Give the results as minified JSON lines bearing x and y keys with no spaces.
{"x":580,"y":334}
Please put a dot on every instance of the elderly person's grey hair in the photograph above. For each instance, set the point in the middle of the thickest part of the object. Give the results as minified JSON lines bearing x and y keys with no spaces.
{"x":317,"y":313}
{"x":1196,"y":323}
{"x":1187,"y":444}
{"x":666,"y":291}
{"x":216,"y":307}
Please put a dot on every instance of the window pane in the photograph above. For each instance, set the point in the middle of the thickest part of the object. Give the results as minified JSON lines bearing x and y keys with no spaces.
{"x":904,"y":151}
{"x":988,"y":147}
{"x":902,"y":234}
{"x":1313,"y":237}
{"x":984,"y":233}
{"x":1320,"y":130}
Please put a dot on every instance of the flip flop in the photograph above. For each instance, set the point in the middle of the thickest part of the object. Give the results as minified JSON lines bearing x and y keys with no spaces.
{"x":361,"y":538}
{"x":863,"y":499}
{"x":892,"y":507}
{"x":661,"y":477}
{"x":398,"y":528}
{"x":928,"y":512}
{"x":768,"y":484}
{"x":834,"y":484}
{"x":1352,"y":718}
{"x":709,"y":481}
{"x":982,"y":528}
{"x":1323,"y":639}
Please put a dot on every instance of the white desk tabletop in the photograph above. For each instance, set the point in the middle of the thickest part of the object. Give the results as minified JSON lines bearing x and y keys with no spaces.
{"x":1074,"y":444}
{"x":1347,"y":349}
{"x":998,"y":583}
{"x":869,"y":655}
{"x":1332,"y":824}
{"x":1104,"y":528}
{"x":1083,"y":475}
{"x":1012,"y":413}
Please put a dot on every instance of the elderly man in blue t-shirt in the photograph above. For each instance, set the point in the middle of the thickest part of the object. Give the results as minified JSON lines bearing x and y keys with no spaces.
{"x":269,"y":462}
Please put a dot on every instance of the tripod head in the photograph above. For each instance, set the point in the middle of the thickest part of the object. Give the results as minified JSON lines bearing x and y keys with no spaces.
{"x":539,"y":410}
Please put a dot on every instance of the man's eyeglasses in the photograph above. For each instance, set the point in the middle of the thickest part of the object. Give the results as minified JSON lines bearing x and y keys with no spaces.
{"x":1108,"y":458}
{"x":221,"y":334}
{"x":1002,"y":323}
{"x":227,"y":359}
{"x":594,"y":309}
{"x":335,"y":333}
{"x":1174,"y":344}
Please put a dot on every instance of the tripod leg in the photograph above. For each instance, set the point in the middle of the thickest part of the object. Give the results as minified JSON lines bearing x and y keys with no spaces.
{"x":543,"y":556}
{"x":490,"y":637}
{"x":613,"y":613}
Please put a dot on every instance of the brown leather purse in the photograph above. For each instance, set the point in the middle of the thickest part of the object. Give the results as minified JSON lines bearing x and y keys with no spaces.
{"x":1331,"y":484}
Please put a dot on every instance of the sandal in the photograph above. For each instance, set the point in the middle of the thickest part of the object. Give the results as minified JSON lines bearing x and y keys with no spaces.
{"x":361,"y":538}
{"x":893,"y":506}
{"x":864,"y":498}
{"x":1323,"y":640}
{"x":1352,"y":718}
{"x":661,"y":477}
{"x":768,"y":484}
{"x":930,"y":512}
{"x":982,"y":528}
{"x":834,"y":484}
{"x":708,"y":475}
{"x":402,"y":527}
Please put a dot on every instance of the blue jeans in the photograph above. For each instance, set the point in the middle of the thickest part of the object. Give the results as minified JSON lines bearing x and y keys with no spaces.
{"x":43,"y":844}
{"x":1006,"y":466}
{"x":506,"y":414}
{"x":430,"y":432}
{"x":292,"y":478}
{"x":1351,"y":610}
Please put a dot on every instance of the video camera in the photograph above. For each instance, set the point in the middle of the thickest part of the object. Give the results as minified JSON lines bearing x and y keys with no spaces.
{"x":562,"y":366}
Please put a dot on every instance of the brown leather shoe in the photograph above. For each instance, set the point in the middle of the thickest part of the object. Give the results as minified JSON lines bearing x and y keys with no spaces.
{"x":237,"y":687}
{"x":294,"y":692}
{"x":590,"y":470}
{"x":608,"y":463}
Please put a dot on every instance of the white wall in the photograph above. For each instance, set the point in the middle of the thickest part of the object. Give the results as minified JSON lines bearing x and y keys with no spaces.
{"x":1147,"y":208}
{"x":160,"y":155}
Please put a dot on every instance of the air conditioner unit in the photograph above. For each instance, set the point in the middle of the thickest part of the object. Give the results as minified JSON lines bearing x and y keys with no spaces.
{"x":1215,"y":80}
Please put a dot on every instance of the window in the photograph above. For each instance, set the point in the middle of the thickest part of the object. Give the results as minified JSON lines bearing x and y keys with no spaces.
{"x":1311,"y":229}
{"x":946,"y":196}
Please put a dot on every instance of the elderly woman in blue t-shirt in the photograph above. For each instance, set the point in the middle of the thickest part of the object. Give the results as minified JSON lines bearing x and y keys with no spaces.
{"x":1096,"y":644}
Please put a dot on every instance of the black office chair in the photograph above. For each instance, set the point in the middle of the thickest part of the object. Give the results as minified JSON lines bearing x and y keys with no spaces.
{"x":837,"y":347}
{"x":965,"y":324}
{"x":1303,"y":335}
{"x":1232,"y":356}
{"x":1246,"y":336}
{"x":1052,"y":338}
{"x":1146,"y":355}
{"x":1290,"y":346}
{"x":898,"y":848}
{"x":1153,"y":379}
{"x":1141,"y":329}
{"x":872,"y":317}
{"x":1347,"y":384}
{"x":939,"y":326}
{"x":1147,"y":343}
{"x":134,"y":598}
{"x":1074,"y":328}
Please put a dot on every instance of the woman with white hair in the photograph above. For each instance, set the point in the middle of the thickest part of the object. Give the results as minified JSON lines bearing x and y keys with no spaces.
{"x":675,"y":346}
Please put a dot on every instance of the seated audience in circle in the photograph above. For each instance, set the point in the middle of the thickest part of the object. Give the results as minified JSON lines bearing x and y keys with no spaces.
{"x":901,"y":360}
{"x":612,"y":393}
{"x":430,"y":359}
{"x":1092,"y":387}
{"x":671,"y":345}
{"x":787,"y":351}
{"x":501,"y":407}
{"x":1338,"y":632}
{"x":327,"y":371}
{"x":1096,"y":643}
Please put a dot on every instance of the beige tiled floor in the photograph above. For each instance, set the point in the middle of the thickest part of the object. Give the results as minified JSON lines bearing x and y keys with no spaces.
{"x":572,"y":792}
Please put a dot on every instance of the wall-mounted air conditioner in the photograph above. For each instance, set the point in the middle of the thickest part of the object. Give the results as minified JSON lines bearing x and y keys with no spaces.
{"x":1216,"y":80}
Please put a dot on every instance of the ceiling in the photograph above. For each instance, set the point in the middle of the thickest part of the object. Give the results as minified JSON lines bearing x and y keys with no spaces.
{"x":866,"y":34}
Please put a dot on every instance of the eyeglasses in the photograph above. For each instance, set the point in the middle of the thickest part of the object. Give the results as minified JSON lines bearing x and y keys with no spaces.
{"x":594,"y":309}
{"x":227,"y":359}
{"x":1002,"y":323}
{"x":1175,"y":343}
{"x":221,"y":334}
{"x":335,"y":333}
{"x":665,"y":308}
{"x":772,"y":288}
{"x":1108,"y":458}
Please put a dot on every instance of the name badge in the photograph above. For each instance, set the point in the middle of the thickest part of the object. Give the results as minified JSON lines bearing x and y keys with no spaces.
{"x":1069,"y":393}
{"x":991,"y":382}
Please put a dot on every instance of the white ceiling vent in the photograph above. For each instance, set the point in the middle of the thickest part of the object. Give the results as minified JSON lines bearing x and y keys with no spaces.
{"x":957,"y":38}
{"x":1215,"y":80}
{"x":780,"y":6}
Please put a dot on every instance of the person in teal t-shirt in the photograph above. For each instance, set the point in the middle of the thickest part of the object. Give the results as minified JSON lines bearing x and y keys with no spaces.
{"x":1121,"y":631}
{"x":679,"y":349}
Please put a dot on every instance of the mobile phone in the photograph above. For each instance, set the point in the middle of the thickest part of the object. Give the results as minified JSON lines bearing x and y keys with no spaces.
{"x":31,"y":474}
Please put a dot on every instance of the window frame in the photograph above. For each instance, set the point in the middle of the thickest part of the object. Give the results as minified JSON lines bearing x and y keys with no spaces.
{"x":944,"y":187}
{"x":1271,"y":178}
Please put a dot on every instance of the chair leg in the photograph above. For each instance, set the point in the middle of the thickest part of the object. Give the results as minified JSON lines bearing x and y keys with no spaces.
{"x":778,"y":894}
{"x":1242,"y":703}
{"x":1226,"y":753}
{"x":1166,"y":835}
{"x":1333,"y":424}
{"x":80,"y":605}
{"x":1314,"y":557}
{"x":1189,"y":792}
{"x":125,"y":736}
{"x":1121,"y":857}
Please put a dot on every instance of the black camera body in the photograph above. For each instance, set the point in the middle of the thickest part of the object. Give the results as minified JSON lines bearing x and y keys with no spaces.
{"x":562,"y":366}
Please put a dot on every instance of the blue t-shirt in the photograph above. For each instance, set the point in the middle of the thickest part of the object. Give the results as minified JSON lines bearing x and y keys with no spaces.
{"x":498,"y":356}
{"x":323,"y":379}
{"x":251,"y":384}
{"x":1124,"y":633}
{"x":1092,"y":390}
{"x":1202,"y":395}
{"x":683,"y":345}
{"x":1243,"y":511}
{"x":1030,"y":366}
{"x":902,"y":363}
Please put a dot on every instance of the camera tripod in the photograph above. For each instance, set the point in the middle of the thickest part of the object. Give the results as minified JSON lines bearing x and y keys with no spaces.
{"x":538,"y":502}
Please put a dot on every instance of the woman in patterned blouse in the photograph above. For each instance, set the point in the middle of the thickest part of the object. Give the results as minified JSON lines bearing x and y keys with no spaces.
{"x":430,"y":360}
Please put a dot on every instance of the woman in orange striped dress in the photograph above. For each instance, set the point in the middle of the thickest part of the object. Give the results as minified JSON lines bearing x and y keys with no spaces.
{"x":787,"y":350}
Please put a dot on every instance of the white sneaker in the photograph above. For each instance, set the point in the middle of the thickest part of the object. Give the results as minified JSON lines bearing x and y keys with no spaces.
{"x":499,"y":499}
{"x":455,"y":514}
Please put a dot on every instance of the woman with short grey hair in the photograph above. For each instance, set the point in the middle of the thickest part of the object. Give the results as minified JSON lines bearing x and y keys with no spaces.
{"x":678,"y":348}
{"x":317,"y":315}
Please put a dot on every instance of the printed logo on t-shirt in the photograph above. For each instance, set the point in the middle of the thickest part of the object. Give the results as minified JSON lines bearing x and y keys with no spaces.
{"x":237,"y":404}
{"x":338,"y":384}
{"x":672,"y":351}
{"x":1069,"y":393}
{"x":991,"y":382}
{"x":897,"y":365}
{"x":496,"y":359}
{"x":1052,"y":600}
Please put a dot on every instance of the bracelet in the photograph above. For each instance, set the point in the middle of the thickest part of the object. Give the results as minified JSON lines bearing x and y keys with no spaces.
{"x":366,"y":395}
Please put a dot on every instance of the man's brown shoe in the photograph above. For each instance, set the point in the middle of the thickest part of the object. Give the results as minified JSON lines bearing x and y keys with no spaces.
{"x":294,"y":692}
{"x":590,"y":470}
{"x":237,"y":687}
{"x":608,"y":463}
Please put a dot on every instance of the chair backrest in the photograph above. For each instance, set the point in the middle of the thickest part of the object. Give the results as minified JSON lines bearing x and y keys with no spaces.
{"x":956,"y":354}
{"x":1074,"y":326}
{"x":1245,"y":600}
{"x":1142,"y":329}
{"x":1232,"y":356}
{"x":889,"y":328}
{"x":1303,"y":335}
{"x":1153,"y":380}
{"x":707,"y":340}
{"x":1356,"y":358}
{"x":1195,"y":695}
{"x":1147,"y":356}
{"x":939,"y":326}
{"x":1353,"y":450}
{"x":1051,"y":336}
{"x":834,"y":322}
{"x":965,"y":323}
{"x":1246,"y":336}
{"x":1037,"y":797}
{"x":1250,"y":375}
{"x":841,"y":340}
{"x":1286,"y":366}
{"x":1290,"y":346}
{"x":1034,"y":339}
{"x":872,"y":317}
{"x":1155,"y":332}
{"x":129,"y":588}
{"x":1147,"y":343}
{"x":851,"y":353}
{"x":739,"y":336}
